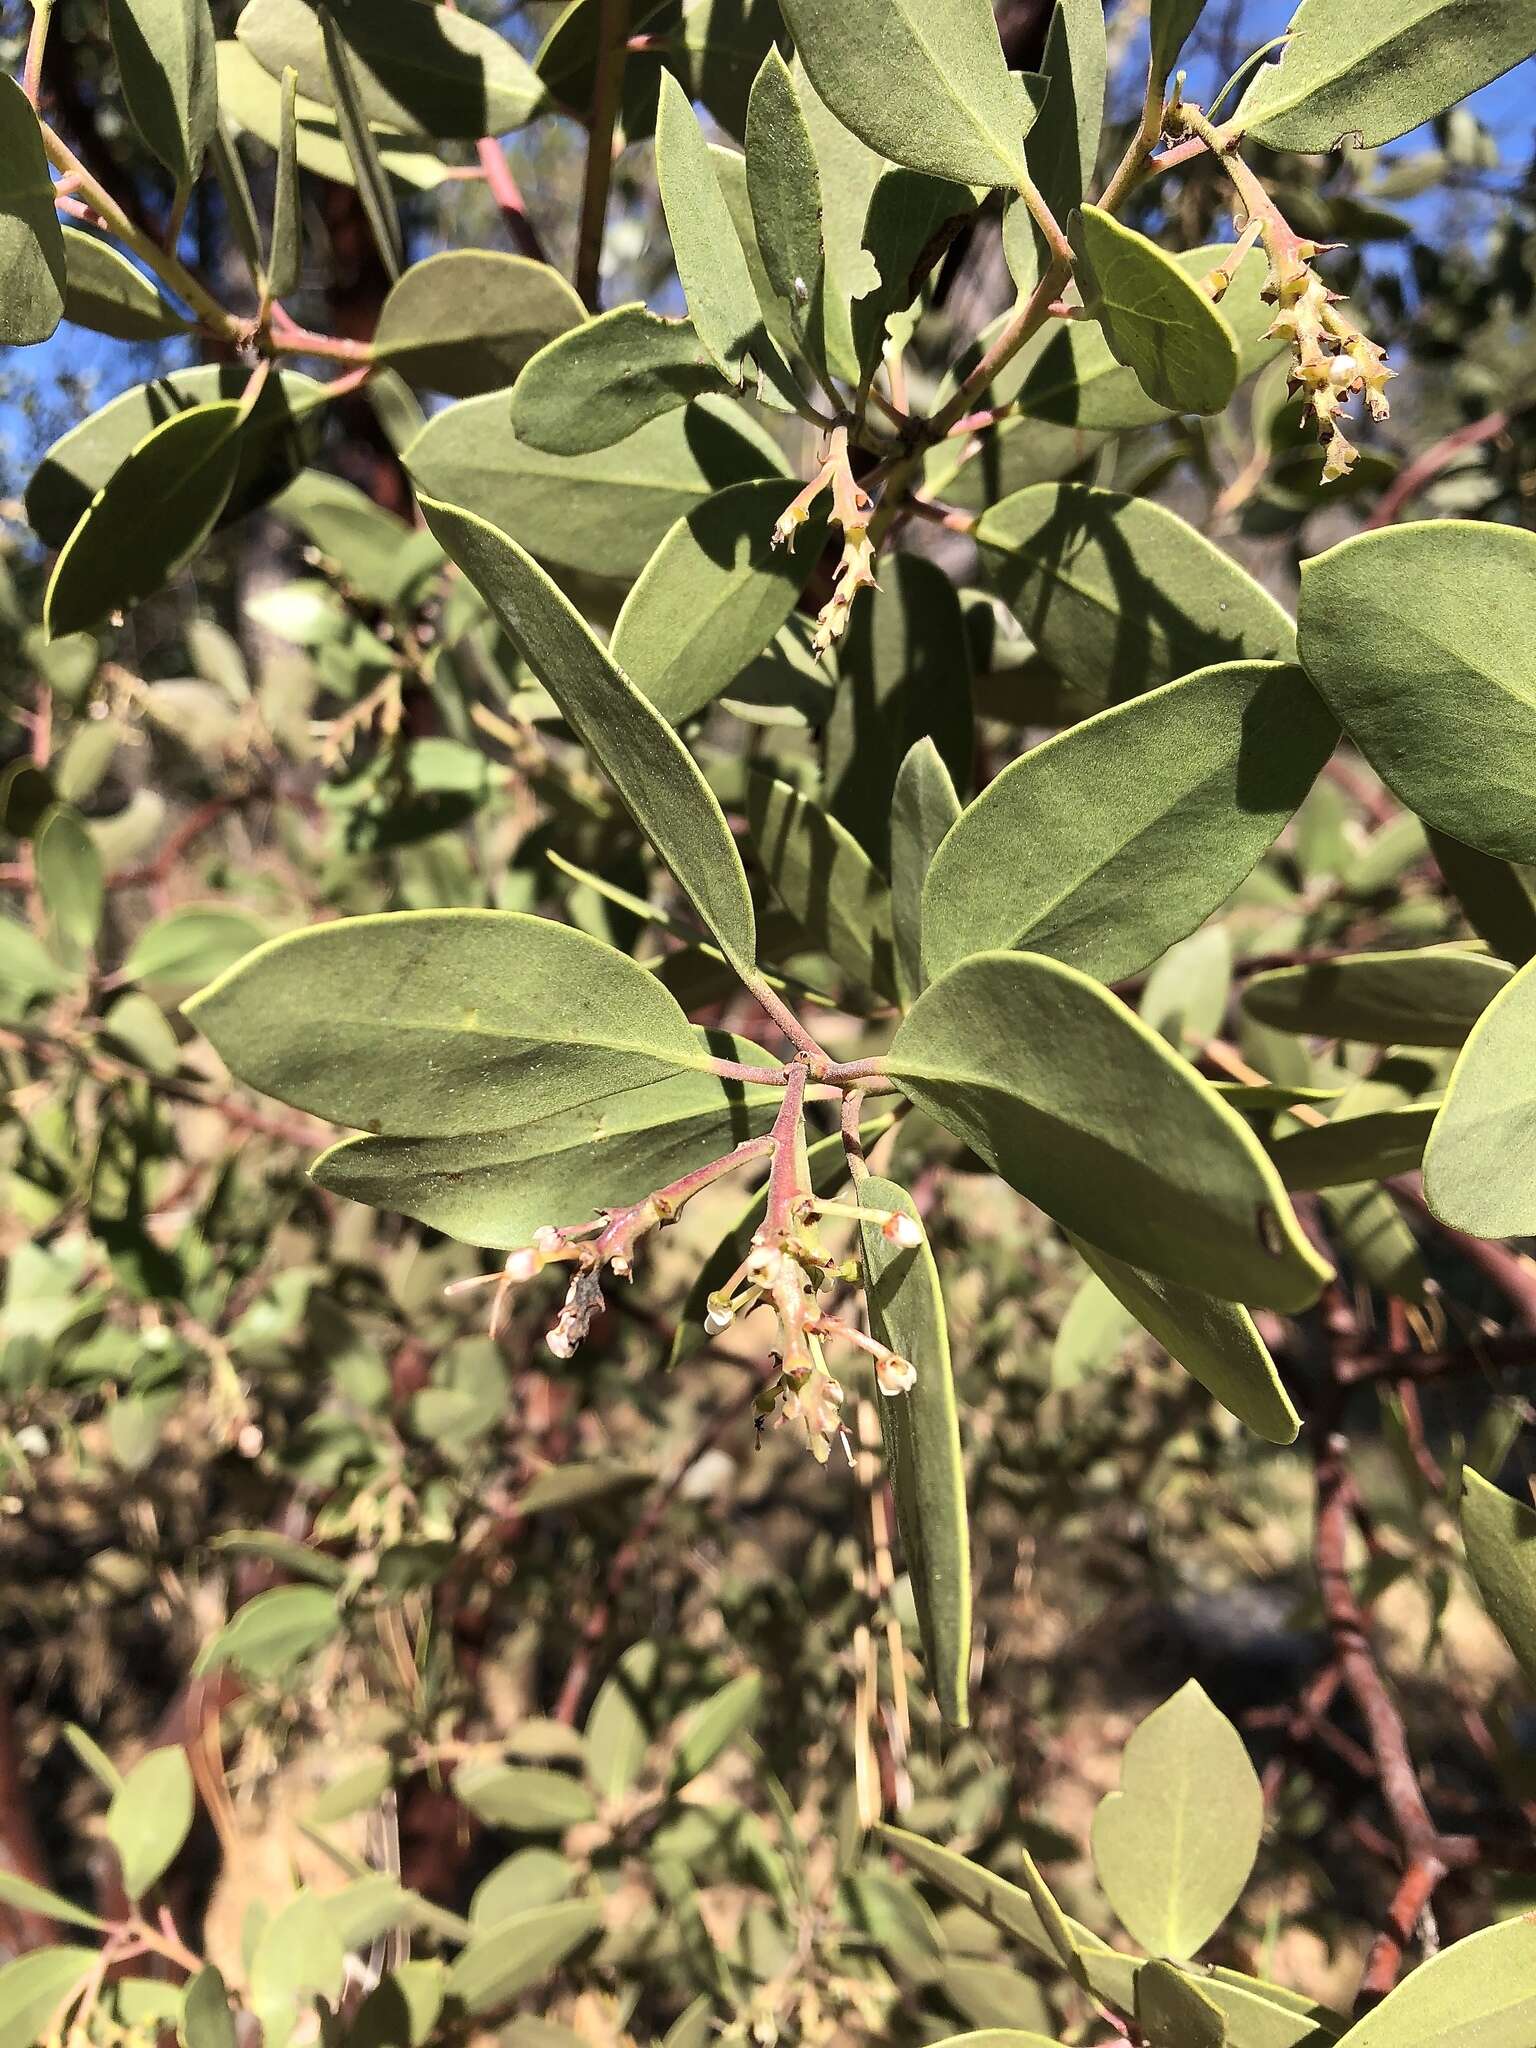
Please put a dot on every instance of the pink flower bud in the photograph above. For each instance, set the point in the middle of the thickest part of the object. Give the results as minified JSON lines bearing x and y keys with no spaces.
{"x":523,"y":1264}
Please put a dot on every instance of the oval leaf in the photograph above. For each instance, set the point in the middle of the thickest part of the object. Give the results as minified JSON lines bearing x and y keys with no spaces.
{"x":169,"y":70}
{"x":820,"y":872}
{"x":1109,"y":842}
{"x":273,"y":1632}
{"x":924,"y":82}
{"x":1480,"y":1161}
{"x":715,"y":1724}
{"x":150,"y":1817}
{"x":1433,"y":997}
{"x":519,"y":1951}
{"x":1174,"y":1846}
{"x":921,"y":1430}
{"x":1156,"y":321}
{"x":522,"y":1798}
{"x":467,"y":320}
{"x":1480,"y":1990}
{"x":603,"y":381}
{"x":1080,"y":1107}
{"x":1120,"y":594}
{"x":440,"y":1023}
{"x":105,"y":292}
{"x":31,"y":243}
{"x":1419,"y":638}
{"x":1500,"y":1535}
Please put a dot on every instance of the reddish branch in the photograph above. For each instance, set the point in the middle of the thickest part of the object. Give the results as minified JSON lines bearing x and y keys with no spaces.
{"x":1426,"y":467}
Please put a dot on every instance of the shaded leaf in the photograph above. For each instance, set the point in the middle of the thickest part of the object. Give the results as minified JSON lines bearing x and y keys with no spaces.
{"x":1480,"y":1162}
{"x":352,"y":124}
{"x":913,"y":217}
{"x":251,"y":99}
{"x":70,"y":877}
{"x":148,"y":521}
{"x":821,"y":873}
{"x":785,"y":195}
{"x":206,"y":2020}
{"x":273,"y":1632}
{"x":603,"y":381}
{"x":712,"y":597}
{"x":1355,"y":1148}
{"x":1500,"y":1535}
{"x":924,"y":807}
{"x":467,"y":320}
{"x":34,"y":1986}
{"x":519,"y":1952}
{"x":715,"y":1724}
{"x":1498,"y":897}
{"x":1120,"y":594}
{"x":168,"y":67}
{"x":1063,"y":144}
{"x":1174,"y":2013}
{"x":1432,"y":997}
{"x":27,"y":1897}
{"x":285,"y":258}
{"x":1481,"y":1990}
{"x":526,"y":1800}
{"x":105,"y":292}
{"x":191,"y":944}
{"x":620,"y":1727}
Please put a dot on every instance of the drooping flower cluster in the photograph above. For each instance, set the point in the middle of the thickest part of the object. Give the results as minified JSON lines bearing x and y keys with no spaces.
{"x":785,"y":1269}
{"x":1333,"y":358}
{"x":852,"y":509}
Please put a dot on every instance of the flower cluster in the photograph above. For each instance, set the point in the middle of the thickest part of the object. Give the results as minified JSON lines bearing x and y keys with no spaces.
{"x":1333,"y":359}
{"x":785,"y":1269}
{"x":852,"y":510}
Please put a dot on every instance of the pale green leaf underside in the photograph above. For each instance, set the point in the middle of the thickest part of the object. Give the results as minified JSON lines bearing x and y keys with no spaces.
{"x":1480,"y":1162}
{"x":1478,"y":1993}
{"x":1062,"y":1091}
{"x":601,"y":382}
{"x":1174,"y":1846}
{"x":1500,"y":1535}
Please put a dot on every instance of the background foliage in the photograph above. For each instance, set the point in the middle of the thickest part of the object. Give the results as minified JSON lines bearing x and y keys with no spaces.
{"x":377,"y":1676}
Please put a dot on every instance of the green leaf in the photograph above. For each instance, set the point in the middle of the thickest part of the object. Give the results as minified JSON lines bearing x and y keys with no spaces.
{"x":150,"y":1818}
{"x":1076,"y":1104}
{"x":1120,"y":594}
{"x":272,"y":1633}
{"x":1347,"y":1149}
{"x":374,"y":549}
{"x":1500,"y":1535}
{"x":1173,"y":23}
{"x":1215,"y":1341}
{"x":33,"y":1987}
{"x":1174,"y":2013}
{"x":1068,"y":374}
{"x":722,"y":301}
{"x":105,"y":292}
{"x":285,"y":258}
{"x":904,"y":676}
{"x":148,"y":521}
{"x":27,"y":970}
{"x":560,"y":1488}
{"x":653,"y":772}
{"x":94,"y":1757}
{"x":1063,"y":145}
{"x":522,"y":1798}
{"x":191,"y":945}
{"x":921,"y":1431}
{"x":604,"y":512}
{"x":1109,"y":842}
{"x":420,"y":68}
{"x":168,"y":67}
{"x":1478,"y":1991}
{"x":353,"y":1791}
{"x":1371,"y":79}
{"x":897,"y":1919}
{"x":924,"y":807}
{"x":913,"y":217}
{"x":369,"y":175}
{"x":497,"y":1185}
{"x":1032,"y":1914}
{"x":621,"y":1725}
{"x":252,"y":99}
{"x":27,"y":1897}
{"x":714,"y":1725}
{"x":820,"y":873}
{"x":1433,"y":997}
{"x":440,"y":1023}
{"x":848,"y":173}
{"x":467,"y":320}
{"x":1498,"y":897}
{"x":924,"y":82}
{"x":1418,"y":636}
{"x":601,"y":382}
{"x":996,"y":1997}
{"x":1174,"y":1847}
{"x":70,"y":877}
{"x":206,"y":2020}
{"x":1155,"y":320}
{"x":298,"y":1956}
{"x":712,"y":597}
{"x":32,"y":258}
{"x":529,"y":1877}
{"x":1480,"y":1162}
{"x":520,"y":1951}
{"x":1090,"y":1334}
{"x":784,"y":192}
{"x":270,"y":446}
{"x":1368,"y":1230}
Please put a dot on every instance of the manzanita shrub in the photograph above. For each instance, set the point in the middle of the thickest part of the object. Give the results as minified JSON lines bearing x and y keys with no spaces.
{"x":796,"y":764}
